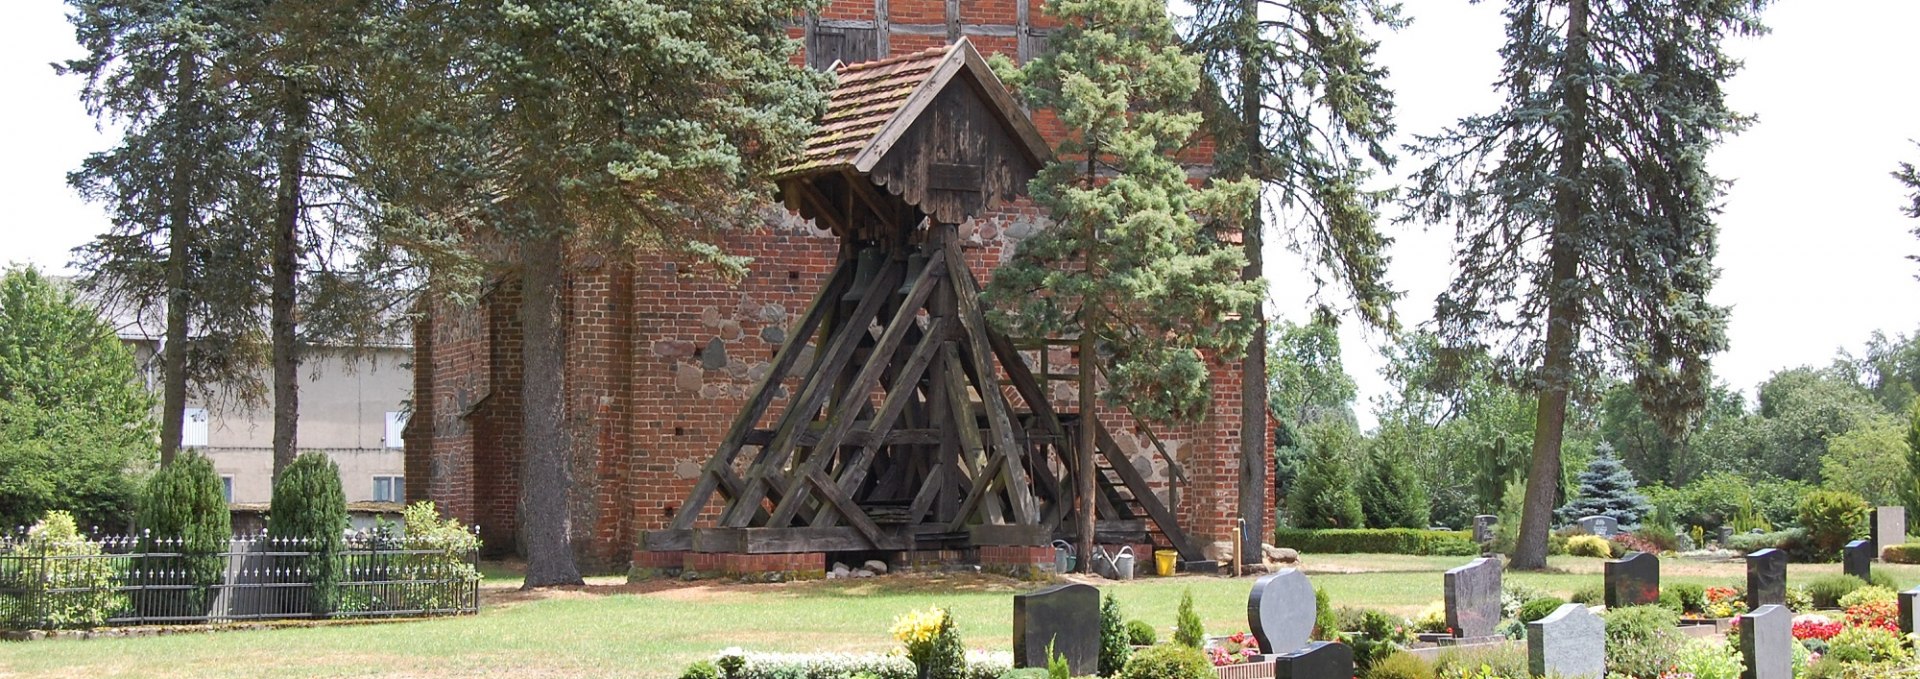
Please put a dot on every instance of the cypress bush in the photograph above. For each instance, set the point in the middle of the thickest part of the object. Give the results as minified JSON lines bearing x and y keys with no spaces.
{"x":1390,"y":495}
{"x":1113,"y":637}
{"x":1187,"y":629}
{"x":184,"y":511}
{"x":309,"y":509}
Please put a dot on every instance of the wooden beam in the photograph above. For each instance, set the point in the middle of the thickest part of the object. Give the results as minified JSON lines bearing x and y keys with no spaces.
{"x":929,"y":489}
{"x":981,"y":497}
{"x":967,"y":292}
{"x":783,"y":360}
{"x":667,"y":540}
{"x":1142,"y":494}
{"x":897,"y":397}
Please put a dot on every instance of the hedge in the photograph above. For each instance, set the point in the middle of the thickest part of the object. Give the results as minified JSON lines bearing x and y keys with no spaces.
{"x":1378,"y":541}
{"x":1907,"y":553}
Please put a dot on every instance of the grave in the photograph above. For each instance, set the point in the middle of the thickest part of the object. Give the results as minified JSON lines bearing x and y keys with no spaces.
{"x":1888,"y":527}
{"x":1280,"y":611}
{"x":1319,"y":660}
{"x":1473,"y":600}
{"x":1909,"y":611}
{"x":1766,"y":578}
{"x":1483,"y":528}
{"x":1603,"y":526}
{"x":1766,"y":643}
{"x":1633,"y":580}
{"x":1068,"y":617}
{"x":1856,"y":559}
{"x":1571,"y":642}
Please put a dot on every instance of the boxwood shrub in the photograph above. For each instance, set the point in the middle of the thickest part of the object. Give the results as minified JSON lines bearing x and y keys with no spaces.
{"x":1377,"y":541}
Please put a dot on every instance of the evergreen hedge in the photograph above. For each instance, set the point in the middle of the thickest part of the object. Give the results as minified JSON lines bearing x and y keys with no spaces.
{"x":184,"y":511}
{"x":1378,"y":541}
{"x":310,"y":510}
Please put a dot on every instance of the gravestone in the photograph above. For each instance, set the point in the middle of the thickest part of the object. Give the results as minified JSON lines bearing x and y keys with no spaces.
{"x":1319,"y":660}
{"x":1766,"y":578}
{"x":1571,"y":642}
{"x":1856,"y":559}
{"x":1067,"y":616}
{"x":1766,"y":643}
{"x":1889,"y":527}
{"x":1483,"y":528}
{"x":1633,"y":580}
{"x":1280,"y":611}
{"x":1603,"y":526}
{"x":1726,"y":533}
{"x":1910,"y":611}
{"x":1473,"y":598}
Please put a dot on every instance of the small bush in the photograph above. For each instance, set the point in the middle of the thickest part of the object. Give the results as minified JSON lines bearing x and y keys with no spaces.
{"x":1827,"y":590}
{"x":1799,"y":599}
{"x":1592,"y":546}
{"x":1870,"y":594}
{"x":310,"y":510}
{"x":1509,"y":660}
{"x":1882,"y":579}
{"x":1020,"y":673}
{"x":1168,"y":661}
{"x":1326,"y":627}
{"x":1378,"y":541}
{"x":1748,"y":543}
{"x":1187,"y":630}
{"x":1709,"y":659}
{"x":1907,"y":553}
{"x":447,"y":554}
{"x":1691,"y":596}
{"x":62,"y":582}
{"x":702,"y":669}
{"x":1589,"y":594}
{"x":1432,"y":619}
{"x":1141,"y":633}
{"x":1057,"y":667}
{"x":1378,"y":635}
{"x":1641,"y":641}
{"x":932,"y":643}
{"x":184,"y":511}
{"x":1831,"y":518}
{"x":1867,"y":645}
{"x":1539,"y":608}
{"x":1113,"y":638}
{"x":1400,"y":665}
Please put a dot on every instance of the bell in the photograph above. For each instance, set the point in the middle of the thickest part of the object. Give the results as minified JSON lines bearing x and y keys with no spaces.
{"x":916,"y":263}
{"x":866,"y":269}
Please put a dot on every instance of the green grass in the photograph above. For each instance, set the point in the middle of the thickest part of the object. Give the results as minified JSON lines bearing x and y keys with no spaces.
{"x":655,"y":629}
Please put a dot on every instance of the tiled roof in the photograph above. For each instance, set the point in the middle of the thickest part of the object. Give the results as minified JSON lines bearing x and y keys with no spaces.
{"x":868,"y":95}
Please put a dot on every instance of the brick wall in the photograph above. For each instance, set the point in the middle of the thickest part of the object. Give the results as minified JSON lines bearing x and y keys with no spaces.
{"x":660,"y":360}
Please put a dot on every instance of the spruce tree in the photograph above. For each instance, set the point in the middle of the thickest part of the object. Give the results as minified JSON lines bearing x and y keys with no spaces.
{"x":1324,"y":495}
{"x":1911,"y":178}
{"x":1607,"y":488}
{"x":1585,"y":211}
{"x":309,"y":513}
{"x":1390,"y":495}
{"x":1113,"y":637}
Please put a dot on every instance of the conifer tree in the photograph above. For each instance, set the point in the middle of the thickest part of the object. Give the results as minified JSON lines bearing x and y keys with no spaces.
{"x":1127,"y":265}
{"x":1607,"y":488}
{"x":1911,"y":178}
{"x":1585,"y":211}
{"x":184,"y":512}
{"x":1910,"y":492}
{"x":309,"y":509}
{"x":1390,"y":495}
{"x":1324,"y":494}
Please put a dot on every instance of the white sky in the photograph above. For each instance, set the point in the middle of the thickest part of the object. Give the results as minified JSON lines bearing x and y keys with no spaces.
{"x":1813,"y":244}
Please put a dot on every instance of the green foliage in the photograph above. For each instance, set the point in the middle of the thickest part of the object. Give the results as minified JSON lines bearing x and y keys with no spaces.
{"x":1168,"y":661}
{"x":1324,"y":494}
{"x":1400,"y":665}
{"x":1376,"y":635}
{"x":76,"y":421}
{"x":309,"y":512}
{"x":1691,"y":595}
{"x":1907,"y":553}
{"x":1790,"y":541}
{"x":1390,"y":495}
{"x":1831,"y":519}
{"x":1325,"y":626}
{"x":1799,"y":598}
{"x":184,"y":511}
{"x":1588,"y":594}
{"x":1377,"y":541}
{"x":1057,"y":667}
{"x":1869,"y":460}
{"x":1709,"y":659}
{"x":1187,"y":629}
{"x":701,"y":669}
{"x":1803,"y":409}
{"x":1827,"y":590}
{"x":1113,"y":637}
{"x":1607,"y":488}
{"x":1539,"y":608}
{"x":1642,"y":641}
{"x":1869,"y":594}
{"x":943,"y":657}
{"x":1589,"y":546}
{"x":61,"y":581}
{"x":1867,"y":644}
{"x":1128,"y":263}
{"x":1727,"y":499}
{"x":1503,"y":661}
{"x":448,"y":554}
{"x":1910,"y":491}
{"x":1306,"y":382}
{"x":1141,"y":633}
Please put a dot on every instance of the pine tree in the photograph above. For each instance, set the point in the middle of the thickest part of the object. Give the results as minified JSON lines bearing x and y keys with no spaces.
{"x":1585,"y":211}
{"x":1390,"y":495}
{"x":1113,"y":637}
{"x":1324,"y":495}
{"x":1911,"y":177}
{"x":1607,"y":488}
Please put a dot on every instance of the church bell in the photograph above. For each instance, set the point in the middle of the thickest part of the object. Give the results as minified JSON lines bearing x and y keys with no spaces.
{"x":866,"y":269}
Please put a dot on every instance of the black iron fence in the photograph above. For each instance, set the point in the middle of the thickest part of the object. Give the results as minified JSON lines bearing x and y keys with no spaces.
{"x":119,"y":581}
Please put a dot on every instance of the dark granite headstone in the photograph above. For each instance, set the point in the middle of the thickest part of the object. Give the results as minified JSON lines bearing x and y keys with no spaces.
{"x":1766,"y":578}
{"x":1571,"y":643}
{"x":1856,"y":559}
{"x":1483,"y":528}
{"x":1603,"y":526}
{"x":1280,"y":610}
{"x":1473,"y":598}
{"x":1319,"y":660}
{"x":1766,"y":643}
{"x":1633,"y":580}
{"x":1909,"y":610}
{"x":1889,"y":527}
{"x":1067,"y":616}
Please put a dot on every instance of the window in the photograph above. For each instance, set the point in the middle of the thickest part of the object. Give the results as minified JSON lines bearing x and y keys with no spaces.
{"x":396,"y":429}
{"x":193,"y":428}
{"x":226,"y":487}
{"x":389,"y":489}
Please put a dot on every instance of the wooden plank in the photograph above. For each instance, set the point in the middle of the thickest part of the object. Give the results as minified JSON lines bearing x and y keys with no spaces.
{"x":1036,"y":398}
{"x":929,"y":489}
{"x":953,"y":177}
{"x":842,"y":419}
{"x":982,"y":495}
{"x":953,"y":21}
{"x":783,"y":361}
{"x":667,"y":540}
{"x":1143,"y":494}
{"x":967,"y":293}
{"x":855,"y":516}
{"x":724,"y":540}
{"x":831,"y":363}
{"x":897,"y":398}
{"x":835,"y":539}
{"x":881,"y":18}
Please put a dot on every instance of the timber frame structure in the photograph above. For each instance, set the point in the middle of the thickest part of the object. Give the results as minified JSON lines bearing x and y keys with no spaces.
{"x":901,"y":434}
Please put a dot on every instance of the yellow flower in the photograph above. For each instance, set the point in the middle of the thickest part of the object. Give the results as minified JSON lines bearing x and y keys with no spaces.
{"x":915,"y":628}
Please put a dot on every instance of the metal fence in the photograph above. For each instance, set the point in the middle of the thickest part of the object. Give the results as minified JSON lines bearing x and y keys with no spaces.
{"x":119,"y":581}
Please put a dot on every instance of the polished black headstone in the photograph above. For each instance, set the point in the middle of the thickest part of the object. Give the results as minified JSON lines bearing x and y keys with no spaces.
{"x":1633,"y":580}
{"x":1857,"y":559}
{"x":1067,"y":616}
{"x":1909,"y":608}
{"x":1319,"y":660}
{"x":1766,"y":578}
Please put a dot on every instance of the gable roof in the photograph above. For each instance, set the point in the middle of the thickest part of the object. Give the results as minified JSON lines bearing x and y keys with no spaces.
{"x":876,"y":101}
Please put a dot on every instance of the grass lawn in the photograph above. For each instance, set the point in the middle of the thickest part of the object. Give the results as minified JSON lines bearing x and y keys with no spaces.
{"x":611,"y":629}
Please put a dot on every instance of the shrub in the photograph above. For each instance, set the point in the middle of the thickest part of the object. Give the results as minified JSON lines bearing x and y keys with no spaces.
{"x":1514,"y":594}
{"x":1641,"y":641}
{"x":447,"y":554}
{"x":310,"y":512}
{"x":1827,"y":590}
{"x":1378,"y":541}
{"x":1057,"y":667}
{"x":1907,"y":553}
{"x":1691,"y":596}
{"x":933,"y":646}
{"x":1589,"y":594}
{"x":1187,"y":630}
{"x":1325,"y":626}
{"x":1607,"y":488}
{"x":62,"y":582}
{"x":1589,"y":546}
{"x":1113,"y":637}
{"x":1867,"y":645}
{"x":1784,"y":540}
{"x":1869,"y":594}
{"x":1324,"y":493}
{"x":1507,"y":660}
{"x":1831,"y":518}
{"x":1539,"y":608}
{"x":1709,"y":659}
{"x":701,"y":669}
{"x":1378,"y":635}
{"x":1141,"y":633}
{"x":1400,"y":665}
{"x":1432,"y":619}
{"x":184,"y":511}
{"x":1391,"y":495}
{"x":1019,"y":673}
{"x":1882,"y":613}
{"x":1799,"y":599}
{"x":737,"y":664}
{"x":1882,"y":579}
{"x":1168,"y":661}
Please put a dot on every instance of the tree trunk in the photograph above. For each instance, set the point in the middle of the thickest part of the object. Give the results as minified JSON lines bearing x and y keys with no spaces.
{"x":546,"y":480}
{"x":286,"y":261}
{"x":173,"y":348}
{"x":1083,"y":478}
{"x":1253,"y":370}
{"x":1563,"y":307}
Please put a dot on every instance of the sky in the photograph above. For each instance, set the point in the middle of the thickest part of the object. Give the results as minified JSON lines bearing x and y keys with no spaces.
{"x":1812,"y":248}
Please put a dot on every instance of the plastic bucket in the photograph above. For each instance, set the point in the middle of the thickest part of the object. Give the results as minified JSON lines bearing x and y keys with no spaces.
{"x":1163,"y":560}
{"x":1123,"y":563}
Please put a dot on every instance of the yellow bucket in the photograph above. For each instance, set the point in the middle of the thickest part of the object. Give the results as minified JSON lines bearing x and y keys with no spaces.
{"x":1163,"y":561}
